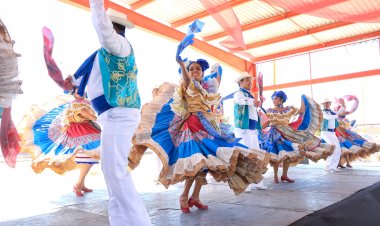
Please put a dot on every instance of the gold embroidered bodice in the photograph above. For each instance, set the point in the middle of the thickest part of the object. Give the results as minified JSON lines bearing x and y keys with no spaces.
{"x":195,"y":99}
{"x":344,"y":123}
{"x":281,"y":117}
{"x":72,"y":114}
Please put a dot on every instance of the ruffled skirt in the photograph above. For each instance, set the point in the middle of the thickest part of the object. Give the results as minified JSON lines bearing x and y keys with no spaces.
{"x":189,"y":146}
{"x":352,"y":138}
{"x":287,"y":144}
{"x":280,"y":148}
{"x":313,"y":146}
{"x":53,"y":145}
{"x":350,"y":151}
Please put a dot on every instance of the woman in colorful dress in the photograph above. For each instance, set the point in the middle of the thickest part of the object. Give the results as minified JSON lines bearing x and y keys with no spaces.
{"x":350,"y":151}
{"x":183,"y":127}
{"x":353,"y":145}
{"x":287,"y":142}
{"x":61,"y":134}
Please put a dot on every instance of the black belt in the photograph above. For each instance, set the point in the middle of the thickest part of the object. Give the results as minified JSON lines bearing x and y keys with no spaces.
{"x":331,"y":130}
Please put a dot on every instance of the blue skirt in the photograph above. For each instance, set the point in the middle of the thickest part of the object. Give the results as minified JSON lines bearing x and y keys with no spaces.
{"x":192,"y":145}
{"x":53,"y":144}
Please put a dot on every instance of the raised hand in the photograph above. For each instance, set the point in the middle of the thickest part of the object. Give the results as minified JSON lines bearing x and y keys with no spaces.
{"x":188,"y":40}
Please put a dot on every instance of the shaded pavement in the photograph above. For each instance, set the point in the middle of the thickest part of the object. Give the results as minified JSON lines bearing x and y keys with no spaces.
{"x":47,"y":199}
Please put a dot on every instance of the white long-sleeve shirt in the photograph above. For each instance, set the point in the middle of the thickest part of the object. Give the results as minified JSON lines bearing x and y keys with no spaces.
{"x":108,"y":39}
{"x":331,"y":118}
{"x":241,"y":99}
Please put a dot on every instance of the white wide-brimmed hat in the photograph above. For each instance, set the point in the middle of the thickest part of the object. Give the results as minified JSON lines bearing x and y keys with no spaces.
{"x":242,"y":76}
{"x":119,"y":18}
{"x":326,"y":100}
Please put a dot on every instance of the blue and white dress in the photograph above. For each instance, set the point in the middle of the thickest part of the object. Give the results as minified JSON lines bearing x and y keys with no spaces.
{"x":186,"y":132}
{"x":58,"y":137}
{"x":352,"y":141}
{"x":292,"y":142}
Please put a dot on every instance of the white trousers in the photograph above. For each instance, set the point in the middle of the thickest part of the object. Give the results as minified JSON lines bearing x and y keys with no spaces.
{"x":125,"y":208}
{"x":251,"y":140}
{"x":248,"y":137}
{"x":333,"y":160}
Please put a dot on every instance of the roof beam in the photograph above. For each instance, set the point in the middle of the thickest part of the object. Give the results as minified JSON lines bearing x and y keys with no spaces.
{"x":140,"y":4}
{"x":319,"y":5}
{"x":203,"y":14}
{"x":253,"y":25}
{"x":298,"y":34}
{"x":324,"y":80}
{"x":151,"y":25}
{"x":277,"y":18}
{"x":298,"y":51}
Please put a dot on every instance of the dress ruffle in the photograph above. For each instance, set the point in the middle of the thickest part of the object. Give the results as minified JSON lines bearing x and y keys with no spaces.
{"x":189,"y":145}
{"x":10,"y":85}
{"x":52,"y":142}
{"x":351,"y":138}
{"x":350,"y":151}
{"x":292,"y":142}
{"x":279,"y":148}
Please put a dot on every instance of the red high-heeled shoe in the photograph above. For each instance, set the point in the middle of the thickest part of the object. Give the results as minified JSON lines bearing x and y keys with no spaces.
{"x":86,"y":189}
{"x":183,"y":209}
{"x":287,"y":179}
{"x":77,"y":191}
{"x":197,"y":203}
{"x":275,"y":180}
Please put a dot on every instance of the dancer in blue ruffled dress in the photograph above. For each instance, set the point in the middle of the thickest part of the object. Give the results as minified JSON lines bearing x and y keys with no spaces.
{"x":182,"y":125}
{"x":287,"y":142}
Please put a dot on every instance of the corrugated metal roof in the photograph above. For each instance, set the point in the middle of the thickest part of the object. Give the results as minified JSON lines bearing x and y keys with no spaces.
{"x":268,"y":31}
{"x":254,"y":11}
{"x":283,"y":46}
{"x":171,"y":11}
{"x":347,"y":31}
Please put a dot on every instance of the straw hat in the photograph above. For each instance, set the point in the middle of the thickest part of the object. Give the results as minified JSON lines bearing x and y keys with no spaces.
{"x":242,"y":76}
{"x":119,"y":18}
{"x":326,"y":100}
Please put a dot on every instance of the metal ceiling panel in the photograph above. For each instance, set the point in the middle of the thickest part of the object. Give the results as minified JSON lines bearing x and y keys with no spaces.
{"x":347,"y":31}
{"x":128,"y":2}
{"x":307,"y":22}
{"x":171,"y":10}
{"x":268,"y":31}
{"x":285,"y":45}
{"x":254,"y":11}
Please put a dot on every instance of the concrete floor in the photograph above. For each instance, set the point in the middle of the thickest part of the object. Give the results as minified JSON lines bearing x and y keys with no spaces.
{"x":46,"y":199}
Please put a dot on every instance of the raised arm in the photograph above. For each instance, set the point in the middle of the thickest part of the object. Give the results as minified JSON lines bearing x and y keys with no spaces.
{"x":341,"y":110}
{"x":108,"y":38}
{"x":185,"y":74}
{"x":217,"y":69}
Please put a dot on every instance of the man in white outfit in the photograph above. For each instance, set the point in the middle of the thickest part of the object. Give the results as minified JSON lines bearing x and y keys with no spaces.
{"x":246,"y":118}
{"x":110,"y":75}
{"x":329,"y":123}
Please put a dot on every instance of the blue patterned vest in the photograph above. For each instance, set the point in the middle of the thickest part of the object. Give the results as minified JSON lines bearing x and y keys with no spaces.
{"x":119,"y":77}
{"x":325,"y":122}
{"x":241,"y":115}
